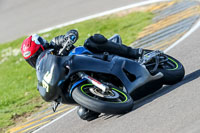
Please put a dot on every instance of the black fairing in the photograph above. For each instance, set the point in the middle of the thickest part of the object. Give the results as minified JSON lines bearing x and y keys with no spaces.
{"x":118,"y":66}
{"x":115,"y":65}
{"x":50,"y":65}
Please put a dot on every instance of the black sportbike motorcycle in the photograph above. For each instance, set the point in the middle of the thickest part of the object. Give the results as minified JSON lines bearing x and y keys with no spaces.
{"x":104,"y":83}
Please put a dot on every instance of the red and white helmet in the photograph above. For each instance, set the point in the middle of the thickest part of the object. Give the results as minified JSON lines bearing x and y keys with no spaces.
{"x":32,"y":47}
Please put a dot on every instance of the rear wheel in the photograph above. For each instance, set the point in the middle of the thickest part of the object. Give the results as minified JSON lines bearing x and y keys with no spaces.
{"x":114,"y":101}
{"x":173,"y":71}
{"x":171,"y":68}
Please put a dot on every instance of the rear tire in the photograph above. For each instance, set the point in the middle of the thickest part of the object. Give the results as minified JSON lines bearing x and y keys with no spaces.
{"x":172,"y":70}
{"x":174,"y":74}
{"x":85,"y":98}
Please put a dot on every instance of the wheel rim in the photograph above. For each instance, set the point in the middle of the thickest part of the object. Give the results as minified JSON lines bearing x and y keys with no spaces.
{"x":114,"y":96}
{"x":109,"y":95}
{"x":170,"y":65}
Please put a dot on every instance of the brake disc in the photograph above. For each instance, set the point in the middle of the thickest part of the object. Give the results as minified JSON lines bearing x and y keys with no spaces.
{"x":111,"y":94}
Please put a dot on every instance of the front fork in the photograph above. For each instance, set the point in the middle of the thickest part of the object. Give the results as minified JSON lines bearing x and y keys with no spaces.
{"x":98,"y":84}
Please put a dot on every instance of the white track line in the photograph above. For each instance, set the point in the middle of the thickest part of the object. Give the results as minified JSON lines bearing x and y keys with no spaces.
{"x":56,"y":119}
{"x":194,"y":28}
{"x":101,"y":14}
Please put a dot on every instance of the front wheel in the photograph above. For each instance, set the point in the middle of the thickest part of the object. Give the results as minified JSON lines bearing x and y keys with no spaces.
{"x":114,"y":101}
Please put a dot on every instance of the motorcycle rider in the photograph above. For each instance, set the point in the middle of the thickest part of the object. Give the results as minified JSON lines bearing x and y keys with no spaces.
{"x":34,"y":45}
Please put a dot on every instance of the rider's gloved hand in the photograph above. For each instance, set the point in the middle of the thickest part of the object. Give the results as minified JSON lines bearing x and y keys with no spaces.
{"x":70,"y":37}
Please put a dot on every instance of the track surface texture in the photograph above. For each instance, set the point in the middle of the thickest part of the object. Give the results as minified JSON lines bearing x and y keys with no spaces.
{"x":174,"y":109}
{"x":22,"y":17}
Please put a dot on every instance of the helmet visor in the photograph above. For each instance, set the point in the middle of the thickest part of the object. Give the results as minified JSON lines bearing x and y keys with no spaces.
{"x":32,"y":60}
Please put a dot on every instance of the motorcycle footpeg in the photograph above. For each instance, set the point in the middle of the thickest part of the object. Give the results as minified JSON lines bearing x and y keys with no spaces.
{"x":55,"y":105}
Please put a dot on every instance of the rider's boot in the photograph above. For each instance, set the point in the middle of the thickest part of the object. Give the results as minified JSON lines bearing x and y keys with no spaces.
{"x":133,"y":53}
{"x":87,"y":114}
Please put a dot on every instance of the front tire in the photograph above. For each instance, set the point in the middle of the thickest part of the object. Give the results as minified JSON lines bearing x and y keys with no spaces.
{"x":109,"y":104}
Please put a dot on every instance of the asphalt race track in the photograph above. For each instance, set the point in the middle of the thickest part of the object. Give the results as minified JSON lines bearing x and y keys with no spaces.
{"x":174,"y":109}
{"x":23,"y":17}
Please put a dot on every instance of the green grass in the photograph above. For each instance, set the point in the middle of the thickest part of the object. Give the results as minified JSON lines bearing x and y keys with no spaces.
{"x":18,"y":80}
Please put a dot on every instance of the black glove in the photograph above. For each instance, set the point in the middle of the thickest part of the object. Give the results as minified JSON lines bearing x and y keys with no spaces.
{"x":71,"y":36}
{"x":69,"y":39}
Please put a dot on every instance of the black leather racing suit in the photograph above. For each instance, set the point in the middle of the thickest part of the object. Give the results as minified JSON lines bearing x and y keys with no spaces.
{"x":99,"y":44}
